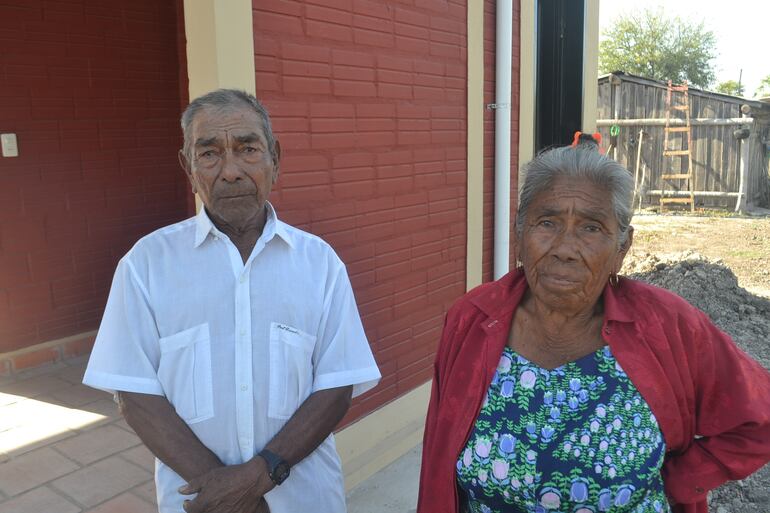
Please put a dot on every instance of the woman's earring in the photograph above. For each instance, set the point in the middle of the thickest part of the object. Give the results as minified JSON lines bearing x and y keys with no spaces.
{"x":614,"y":280}
{"x":519,"y":265}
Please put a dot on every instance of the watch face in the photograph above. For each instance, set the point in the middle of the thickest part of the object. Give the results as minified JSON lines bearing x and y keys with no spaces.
{"x":281,"y":472}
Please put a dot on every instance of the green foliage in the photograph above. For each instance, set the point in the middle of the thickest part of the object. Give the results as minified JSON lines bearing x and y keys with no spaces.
{"x":731,"y":87}
{"x":649,"y":44}
{"x":764,"y":87}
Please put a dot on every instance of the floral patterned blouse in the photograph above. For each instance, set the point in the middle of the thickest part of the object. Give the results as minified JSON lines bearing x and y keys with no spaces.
{"x":575,"y":439}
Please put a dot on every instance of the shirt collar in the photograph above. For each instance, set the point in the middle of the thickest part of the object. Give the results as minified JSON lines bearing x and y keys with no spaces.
{"x":503,"y":296}
{"x":281,"y":229}
{"x":273,"y":226}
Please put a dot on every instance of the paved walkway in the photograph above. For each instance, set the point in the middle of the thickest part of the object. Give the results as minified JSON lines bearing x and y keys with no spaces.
{"x":391,"y":490}
{"x":65,"y":449}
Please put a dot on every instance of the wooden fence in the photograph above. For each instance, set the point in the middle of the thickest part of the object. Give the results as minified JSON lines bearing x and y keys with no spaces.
{"x":716,"y":153}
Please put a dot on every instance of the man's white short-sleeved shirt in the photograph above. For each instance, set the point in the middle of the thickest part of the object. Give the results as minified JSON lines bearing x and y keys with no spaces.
{"x":236,"y":348}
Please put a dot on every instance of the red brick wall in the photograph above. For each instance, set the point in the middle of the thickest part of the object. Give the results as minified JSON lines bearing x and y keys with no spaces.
{"x":91,"y":89}
{"x":489,"y":131}
{"x":368,"y":99}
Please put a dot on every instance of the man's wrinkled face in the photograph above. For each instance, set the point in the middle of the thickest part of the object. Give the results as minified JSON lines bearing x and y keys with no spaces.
{"x":230,"y":166}
{"x":569,"y":244}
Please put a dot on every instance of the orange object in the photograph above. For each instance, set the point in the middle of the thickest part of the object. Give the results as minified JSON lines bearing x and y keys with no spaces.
{"x":581,"y":138}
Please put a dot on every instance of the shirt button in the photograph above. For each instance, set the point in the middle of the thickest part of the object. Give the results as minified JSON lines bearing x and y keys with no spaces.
{"x":243,"y":333}
{"x":607,"y":330}
{"x":244,"y":387}
{"x":243,"y":278}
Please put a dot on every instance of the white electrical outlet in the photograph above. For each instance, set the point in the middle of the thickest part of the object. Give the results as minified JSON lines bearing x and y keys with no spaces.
{"x":10,"y":148}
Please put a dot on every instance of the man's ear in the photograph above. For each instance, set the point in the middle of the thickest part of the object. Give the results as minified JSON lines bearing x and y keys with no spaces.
{"x":277,"y":160}
{"x":186,"y":166}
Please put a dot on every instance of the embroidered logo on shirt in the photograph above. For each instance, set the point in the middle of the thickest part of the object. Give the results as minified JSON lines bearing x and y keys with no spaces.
{"x":287,"y":328}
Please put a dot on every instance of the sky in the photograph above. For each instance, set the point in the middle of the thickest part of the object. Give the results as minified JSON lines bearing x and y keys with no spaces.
{"x":742,"y":29}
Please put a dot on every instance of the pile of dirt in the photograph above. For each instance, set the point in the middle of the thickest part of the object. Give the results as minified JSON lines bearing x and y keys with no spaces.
{"x":712,"y":287}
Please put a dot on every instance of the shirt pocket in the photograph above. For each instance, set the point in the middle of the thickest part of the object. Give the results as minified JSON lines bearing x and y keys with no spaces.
{"x":185,"y":373}
{"x":291,"y":369}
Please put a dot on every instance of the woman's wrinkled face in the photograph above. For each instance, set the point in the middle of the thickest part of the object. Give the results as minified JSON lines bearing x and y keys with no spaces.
{"x":569,"y":244}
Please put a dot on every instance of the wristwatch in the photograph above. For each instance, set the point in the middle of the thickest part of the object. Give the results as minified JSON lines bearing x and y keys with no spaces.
{"x":277,"y":468}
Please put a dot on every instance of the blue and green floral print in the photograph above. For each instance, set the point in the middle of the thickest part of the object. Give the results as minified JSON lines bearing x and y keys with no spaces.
{"x":575,"y":439}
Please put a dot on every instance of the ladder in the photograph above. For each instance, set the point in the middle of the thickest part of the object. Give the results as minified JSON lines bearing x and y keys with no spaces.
{"x":677,"y":101}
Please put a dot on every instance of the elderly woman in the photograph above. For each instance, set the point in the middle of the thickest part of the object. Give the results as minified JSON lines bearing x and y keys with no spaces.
{"x":563,"y":387}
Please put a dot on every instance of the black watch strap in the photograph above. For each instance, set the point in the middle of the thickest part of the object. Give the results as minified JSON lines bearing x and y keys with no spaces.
{"x":277,"y":468}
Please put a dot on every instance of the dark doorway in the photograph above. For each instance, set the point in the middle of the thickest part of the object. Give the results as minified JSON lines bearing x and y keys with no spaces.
{"x":559,"y":93}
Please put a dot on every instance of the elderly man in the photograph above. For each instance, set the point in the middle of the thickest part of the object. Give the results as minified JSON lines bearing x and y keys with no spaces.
{"x":232,"y":340}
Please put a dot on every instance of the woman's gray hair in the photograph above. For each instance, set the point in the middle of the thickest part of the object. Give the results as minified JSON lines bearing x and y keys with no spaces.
{"x":585,"y":163}
{"x":222,"y":99}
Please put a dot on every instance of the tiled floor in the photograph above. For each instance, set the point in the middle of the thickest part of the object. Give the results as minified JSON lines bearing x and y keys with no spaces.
{"x":65,"y":449}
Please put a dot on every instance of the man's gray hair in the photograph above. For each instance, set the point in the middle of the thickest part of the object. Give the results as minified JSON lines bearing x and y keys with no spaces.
{"x":584,"y":163}
{"x":222,"y":99}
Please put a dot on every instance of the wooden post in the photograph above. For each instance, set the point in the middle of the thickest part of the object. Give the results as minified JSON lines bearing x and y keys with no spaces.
{"x":615,"y":81}
{"x":742,"y":203}
{"x":638,"y":186}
